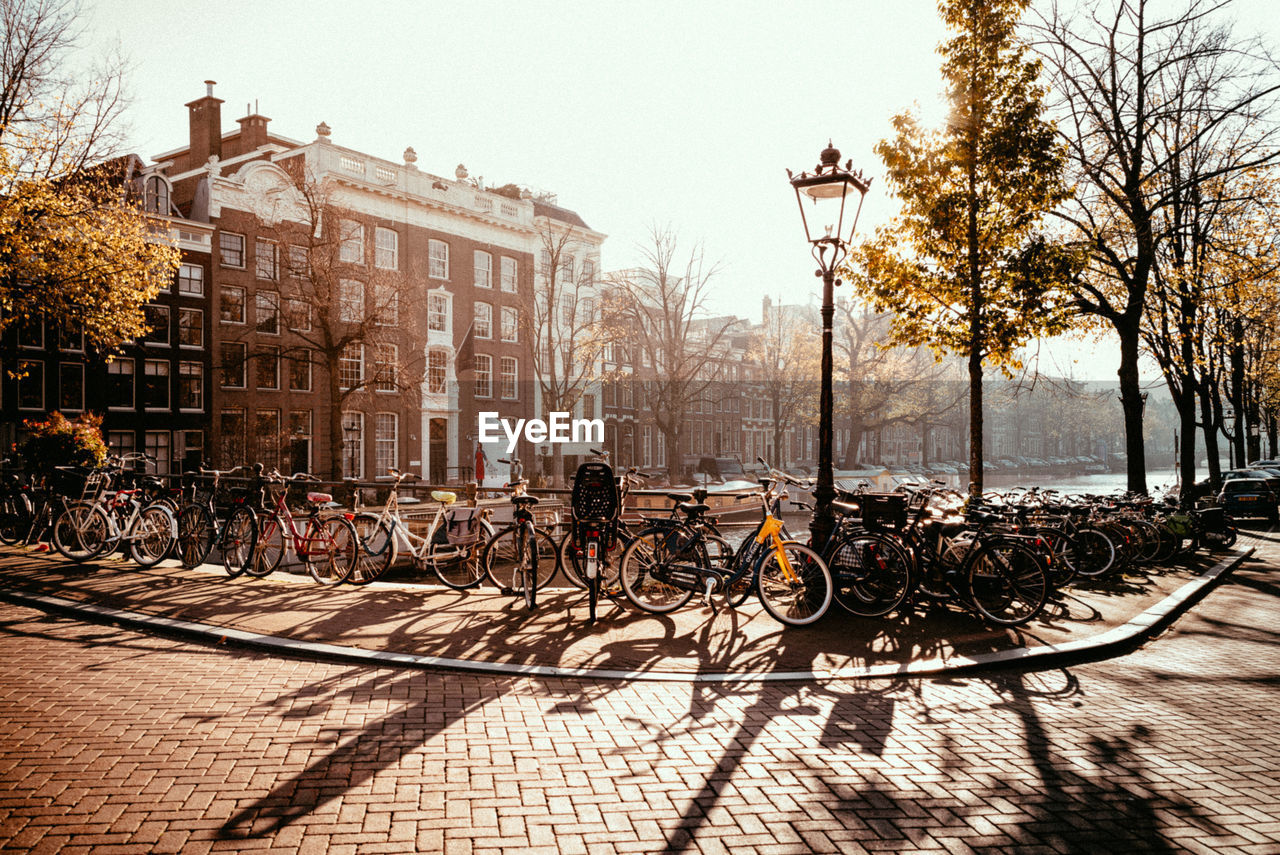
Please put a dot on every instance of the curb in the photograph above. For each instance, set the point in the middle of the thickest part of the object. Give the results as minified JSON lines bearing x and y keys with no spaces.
{"x":1146,"y":624}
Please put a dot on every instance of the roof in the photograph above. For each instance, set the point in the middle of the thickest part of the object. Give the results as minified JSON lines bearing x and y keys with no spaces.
{"x":555,"y":212}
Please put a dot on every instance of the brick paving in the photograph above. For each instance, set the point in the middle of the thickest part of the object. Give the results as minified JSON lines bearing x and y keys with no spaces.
{"x":117,"y":741}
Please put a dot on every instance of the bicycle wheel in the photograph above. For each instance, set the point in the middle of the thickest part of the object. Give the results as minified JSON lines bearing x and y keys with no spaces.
{"x":741,"y":586}
{"x":1095,"y":553}
{"x":462,"y":566}
{"x":795,"y":587}
{"x":643,"y":572}
{"x":1063,"y":553}
{"x":196,"y":534}
{"x":81,"y":532}
{"x":574,"y":566}
{"x":872,"y":574}
{"x":1007,"y":584}
{"x":15,"y":518}
{"x":151,"y":535}
{"x":330,"y":549}
{"x":239,"y":541}
{"x":499,"y":558}
{"x":377,"y":549}
{"x":271,"y":546}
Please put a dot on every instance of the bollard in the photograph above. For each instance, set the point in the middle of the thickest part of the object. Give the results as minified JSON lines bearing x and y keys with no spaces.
{"x":472,"y":491}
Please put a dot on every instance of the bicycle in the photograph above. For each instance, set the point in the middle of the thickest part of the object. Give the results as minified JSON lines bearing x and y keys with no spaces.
{"x":451,"y":547}
{"x":201,"y":528}
{"x":103,"y":520}
{"x":514,"y":550}
{"x":328,"y":545}
{"x":667,"y":564}
{"x":594,"y":504}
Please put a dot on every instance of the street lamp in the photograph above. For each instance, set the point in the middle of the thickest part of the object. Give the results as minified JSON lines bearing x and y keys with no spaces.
{"x":828,"y":188}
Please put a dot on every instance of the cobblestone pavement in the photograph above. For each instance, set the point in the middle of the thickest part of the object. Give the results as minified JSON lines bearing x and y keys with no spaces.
{"x":113,"y":740}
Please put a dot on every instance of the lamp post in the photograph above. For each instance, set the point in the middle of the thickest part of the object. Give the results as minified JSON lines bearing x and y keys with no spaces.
{"x":828,"y":188}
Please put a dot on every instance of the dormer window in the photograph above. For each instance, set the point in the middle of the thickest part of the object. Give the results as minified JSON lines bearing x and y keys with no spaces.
{"x":156,"y":199}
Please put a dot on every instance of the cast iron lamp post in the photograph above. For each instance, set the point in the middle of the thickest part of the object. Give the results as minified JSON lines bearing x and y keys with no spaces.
{"x":828,"y":187}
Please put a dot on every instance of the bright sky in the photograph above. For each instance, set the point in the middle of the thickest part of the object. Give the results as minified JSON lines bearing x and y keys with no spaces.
{"x":679,"y":113}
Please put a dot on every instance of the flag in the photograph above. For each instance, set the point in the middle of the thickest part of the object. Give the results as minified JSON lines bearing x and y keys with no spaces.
{"x":465,"y":359}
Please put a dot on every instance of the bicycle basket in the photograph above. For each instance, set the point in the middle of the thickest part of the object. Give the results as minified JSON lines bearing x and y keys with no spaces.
{"x":883,"y":510}
{"x":1180,"y":524}
{"x":461,"y":527}
{"x":595,"y":493}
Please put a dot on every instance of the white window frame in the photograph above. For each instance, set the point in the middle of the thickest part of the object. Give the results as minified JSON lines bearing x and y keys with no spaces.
{"x":437,"y":375}
{"x":191,"y":369}
{"x":116,"y":367}
{"x":513,"y":374}
{"x":483,"y":315}
{"x":482,"y":267}
{"x":151,"y":445}
{"x":32,"y":373}
{"x":168,"y":327}
{"x":357,"y":360}
{"x":268,"y":356}
{"x":383,"y":460}
{"x":438,"y":308}
{"x":79,"y":368}
{"x":244,"y":303}
{"x":386,"y":248}
{"x":438,"y":259}
{"x":511,"y":323}
{"x":509,"y":277}
{"x":266,"y":260}
{"x":168,"y":385}
{"x":350,"y":301}
{"x":270,"y":300}
{"x":380,"y":350}
{"x":484,"y":376}
{"x":198,"y":314}
{"x":244,"y":364}
{"x":191,"y":273}
{"x":302,"y":358}
{"x":222,"y":249}
{"x":351,"y":246}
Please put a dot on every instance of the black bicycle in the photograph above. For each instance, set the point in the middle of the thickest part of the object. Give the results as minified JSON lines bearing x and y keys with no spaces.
{"x":201,"y":527}
{"x":595,"y":504}
{"x":511,"y":556}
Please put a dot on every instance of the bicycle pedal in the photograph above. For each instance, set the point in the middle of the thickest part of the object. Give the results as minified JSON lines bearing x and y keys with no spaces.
{"x":508,"y":592}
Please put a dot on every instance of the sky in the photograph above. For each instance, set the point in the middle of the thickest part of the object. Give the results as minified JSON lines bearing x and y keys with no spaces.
{"x":638,"y":115}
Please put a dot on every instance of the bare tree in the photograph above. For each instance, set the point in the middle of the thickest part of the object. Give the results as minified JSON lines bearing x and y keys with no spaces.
{"x":659,"y":310}
{"x":342,"y":309}
{"x":784,"y":356}
{"x":1137,"y":95}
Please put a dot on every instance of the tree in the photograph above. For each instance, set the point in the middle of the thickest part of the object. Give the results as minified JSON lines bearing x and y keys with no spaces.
{"x":783,"y":354}
{"x":563,"y":323}
{"x":1124,"y":80}
{"x":966,"y":267}
{"x":341,"y":310}
{"x":75,"y":245}
{"x":58,"y":441}
{"x":659,"y":311}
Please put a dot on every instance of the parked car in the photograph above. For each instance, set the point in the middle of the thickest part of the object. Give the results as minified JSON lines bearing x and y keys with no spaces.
{"x":1264,"y":464}
{"x":1245,"y":498}
{"x":1272,"y":478}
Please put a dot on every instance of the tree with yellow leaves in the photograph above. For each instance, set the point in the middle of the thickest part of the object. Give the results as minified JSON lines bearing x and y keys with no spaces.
{"x":74,"y":245}
{"x":966,"y":267}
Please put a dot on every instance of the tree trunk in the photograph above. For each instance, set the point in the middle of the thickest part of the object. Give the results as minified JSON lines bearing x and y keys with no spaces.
{"x":1210,"y":438}
{"x":1187,"y":444}
{"x":335,"y":417}
{"x":1132,"y":403}
{"x":975,"y":423}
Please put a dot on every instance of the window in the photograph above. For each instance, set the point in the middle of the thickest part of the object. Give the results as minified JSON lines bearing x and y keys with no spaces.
{"x":588,"y":271}
{"x":387,"y":309}
{"x":509,"y":281}
{"x":646,"y":446}
{"x":588,"y":406}
{"x":233,"y":364}
{"x":157,"y":445}
{"x":351,"y":366}
{"x":299,"y":262}
{"x":70,"y":338}
{"x":386,"y":367}
{"x":122,"y":441}
{"x":232,"y":249}
{"x":484,"y":376}
{"x":484,"y":320}
{"x":157,"y":319}
{"x":189,"y":445}
{"x":231,"y":305}
{"x":31,"y":385}
{"x":483,"y":269}
{"x":437,"y":259}
{"x":266,"y":260}
{"x":386,"y":436}
{"x":438,"y":312}
{"x":155,"y":384}
{"x":544,"y":264}
{"x":508,"y":378}
{"x":191,"y":280}
{"x":231,"y":429}
{"x":297,"y":314}
{"x":190,"y":386}
{"x":351,"y":301}
{"x":268,"y":362}
{"x":566,"y":269}
{"x":120,"y":384}
{"x":190,"y":328}
{"x":267,"y":438}
{"x":353,"y":445}
{"x":71,"y":386}
{"x":300,"y":372}
{"x":387,"y":248}
{"x":156,"y":198}
{"x":266,"y":312}
{"x":352,"y":248}
{"x":437,"y":371}
{"x":510,"y":324}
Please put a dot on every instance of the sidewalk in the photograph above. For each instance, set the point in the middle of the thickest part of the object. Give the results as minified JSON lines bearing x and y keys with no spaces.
{"x":413,"y":624}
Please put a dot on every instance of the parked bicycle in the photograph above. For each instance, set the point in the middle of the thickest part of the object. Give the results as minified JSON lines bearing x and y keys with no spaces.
{"x":515,"y":557}
{"x":202,"y":527}
{"x":327,"y":544}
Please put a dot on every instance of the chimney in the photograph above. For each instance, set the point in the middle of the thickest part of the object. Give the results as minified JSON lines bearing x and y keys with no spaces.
{"x":206,"y":126}
{"x":253,"y":130}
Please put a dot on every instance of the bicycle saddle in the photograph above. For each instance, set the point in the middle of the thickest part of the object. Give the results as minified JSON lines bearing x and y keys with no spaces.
{"x":679,"y":497}
{"x":693,"y":509}
{"x":524,"y":500}
{"x":444,"y":496}
{"x":319,"y":498}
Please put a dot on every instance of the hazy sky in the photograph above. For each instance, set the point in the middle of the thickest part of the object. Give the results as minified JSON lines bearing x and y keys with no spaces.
{"x":672,"y":113}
